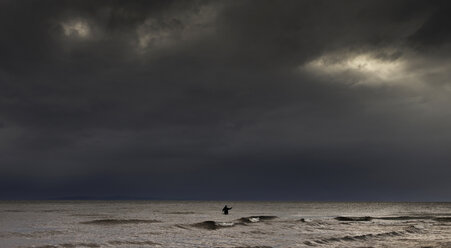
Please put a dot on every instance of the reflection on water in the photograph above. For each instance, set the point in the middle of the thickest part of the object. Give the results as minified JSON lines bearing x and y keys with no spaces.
{"x":249,"y":224}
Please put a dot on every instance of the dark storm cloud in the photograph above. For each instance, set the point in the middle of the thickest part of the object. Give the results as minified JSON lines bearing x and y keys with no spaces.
{"x":434,"y":31}
{"x":210,"y":99}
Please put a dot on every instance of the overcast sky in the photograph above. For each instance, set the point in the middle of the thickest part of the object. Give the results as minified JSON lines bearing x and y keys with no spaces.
{"x":247,"y":100}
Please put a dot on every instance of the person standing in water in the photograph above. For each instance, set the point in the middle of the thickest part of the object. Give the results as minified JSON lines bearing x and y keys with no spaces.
{"x":226,"y":210}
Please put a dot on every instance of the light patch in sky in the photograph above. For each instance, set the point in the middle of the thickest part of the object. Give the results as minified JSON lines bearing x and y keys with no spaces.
{"x":148,"y":35}
{"x":360,"y":68}
{"x":423,"y":79}
{"x":176,"y":28}
{"x":78,"y":28}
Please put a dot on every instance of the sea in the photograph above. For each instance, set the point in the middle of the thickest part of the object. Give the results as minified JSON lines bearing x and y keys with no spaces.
{"x":66,"y":224}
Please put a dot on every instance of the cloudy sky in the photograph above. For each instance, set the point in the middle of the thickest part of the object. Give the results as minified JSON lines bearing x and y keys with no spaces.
{"x":247,"y":100}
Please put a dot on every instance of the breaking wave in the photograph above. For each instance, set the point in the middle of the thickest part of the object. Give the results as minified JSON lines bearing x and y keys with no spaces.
{"x":118,"y":221}
{"x":253,"y":219}
{"x":364,"y":237}
{"x":213,"y":225}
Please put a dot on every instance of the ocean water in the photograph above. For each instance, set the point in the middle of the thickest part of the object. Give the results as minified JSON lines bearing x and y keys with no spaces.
{"x":49,"y":224}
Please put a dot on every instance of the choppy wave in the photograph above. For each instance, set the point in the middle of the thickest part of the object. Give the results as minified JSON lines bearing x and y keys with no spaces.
{"x":253,"y":219}
{"x":213,"y":225}
{"x":443,"y":219}
{"x":69,"y":245}
{"x":91,"y":215}
{"x":118,"y":221}
{"x":364,"y":237}
{"x":51,"y":210}
{"x":13,"y":211}
{"x":36,"y":211}
{"x":36,"y":234}
{"x":316,"y":224}
{"x":251,"y":247}
{"x":95,"y":245}
{"x":132,"y":242}
{"x":369,"y":218}
{"x":406,"y":218}
{"x":181,"y":212}
{"x":344,"y":218}
{"x":133,"y":224}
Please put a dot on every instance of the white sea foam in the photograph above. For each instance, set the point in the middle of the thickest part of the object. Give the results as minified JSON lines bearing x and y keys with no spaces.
{"x":254,"y":219}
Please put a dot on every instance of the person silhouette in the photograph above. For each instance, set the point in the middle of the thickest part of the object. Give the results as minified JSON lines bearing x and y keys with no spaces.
{"x":226,"y":210}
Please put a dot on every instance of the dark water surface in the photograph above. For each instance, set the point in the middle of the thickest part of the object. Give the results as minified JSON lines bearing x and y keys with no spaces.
{"x":200,"y":224}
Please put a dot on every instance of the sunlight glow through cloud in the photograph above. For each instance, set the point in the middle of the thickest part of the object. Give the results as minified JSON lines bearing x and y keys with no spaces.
{"x":363,"y":68}
{"x":76,"y":28}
